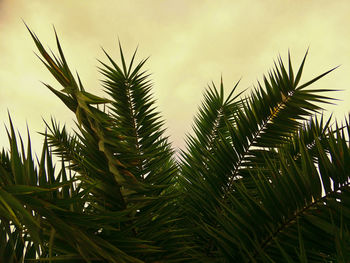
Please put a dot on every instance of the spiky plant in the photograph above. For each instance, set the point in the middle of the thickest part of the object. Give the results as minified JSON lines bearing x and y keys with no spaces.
{"x":262,"y":178}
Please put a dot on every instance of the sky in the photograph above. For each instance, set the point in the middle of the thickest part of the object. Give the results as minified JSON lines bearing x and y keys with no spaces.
{"x":190,"y":44}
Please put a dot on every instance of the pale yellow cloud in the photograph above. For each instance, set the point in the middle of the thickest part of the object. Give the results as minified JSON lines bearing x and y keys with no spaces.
{"x":190,"y":43}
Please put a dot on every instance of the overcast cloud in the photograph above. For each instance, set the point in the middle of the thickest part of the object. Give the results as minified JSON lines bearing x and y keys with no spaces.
{"x":190,"y":43}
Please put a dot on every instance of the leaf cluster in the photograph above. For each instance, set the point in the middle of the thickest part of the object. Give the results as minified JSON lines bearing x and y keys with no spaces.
{"x":262,"y":179}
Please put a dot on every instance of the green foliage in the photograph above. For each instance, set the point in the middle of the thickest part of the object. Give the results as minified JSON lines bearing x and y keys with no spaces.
{"x":263,"y":179}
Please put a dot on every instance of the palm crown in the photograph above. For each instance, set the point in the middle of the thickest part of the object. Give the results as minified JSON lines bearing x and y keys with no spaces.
{"x":261,"y":180}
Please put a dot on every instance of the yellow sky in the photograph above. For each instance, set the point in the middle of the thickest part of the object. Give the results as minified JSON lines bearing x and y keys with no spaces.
{"x":190,"y":43}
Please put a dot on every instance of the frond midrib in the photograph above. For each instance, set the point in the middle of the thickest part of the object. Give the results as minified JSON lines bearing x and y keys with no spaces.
{"x":134,"y":127}
{"x":288,"y":223}
{"x":262,"y":127}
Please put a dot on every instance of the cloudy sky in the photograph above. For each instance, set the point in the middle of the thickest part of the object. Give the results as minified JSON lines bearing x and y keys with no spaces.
{"x":190,"y":44}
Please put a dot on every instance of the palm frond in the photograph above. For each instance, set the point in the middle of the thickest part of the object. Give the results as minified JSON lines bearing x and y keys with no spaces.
{"x":121,"y":157}
{"x":36,"y":202}
{"x":261,"y":126}
{"x":309,"y":198}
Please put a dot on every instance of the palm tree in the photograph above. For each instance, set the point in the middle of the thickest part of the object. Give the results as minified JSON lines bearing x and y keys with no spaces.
{"x":263,"y":179}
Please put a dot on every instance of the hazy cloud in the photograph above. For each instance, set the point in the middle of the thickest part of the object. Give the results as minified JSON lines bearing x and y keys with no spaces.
{"x":190,"y":43}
